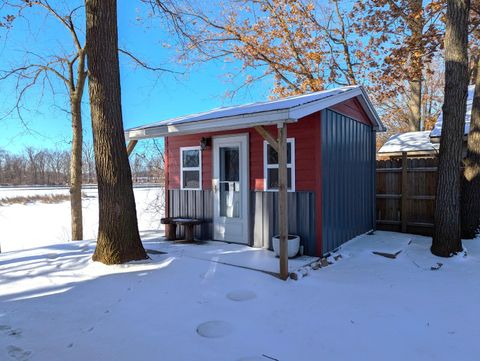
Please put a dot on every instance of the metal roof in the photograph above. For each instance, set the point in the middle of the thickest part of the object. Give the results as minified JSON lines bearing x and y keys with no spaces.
{"x":288,"y":109}
{"x":411,"y":142}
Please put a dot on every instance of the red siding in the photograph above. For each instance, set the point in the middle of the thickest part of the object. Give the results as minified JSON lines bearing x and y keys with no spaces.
{"x":353,"y":109}
{"x":305,"y":158}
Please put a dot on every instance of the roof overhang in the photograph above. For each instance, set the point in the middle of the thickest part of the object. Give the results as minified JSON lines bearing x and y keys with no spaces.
{"x":211,"y":125}
{"x":249,"y":120}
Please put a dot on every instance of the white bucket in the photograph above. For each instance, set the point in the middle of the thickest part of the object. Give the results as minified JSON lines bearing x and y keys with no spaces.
{"x":293,"y":245}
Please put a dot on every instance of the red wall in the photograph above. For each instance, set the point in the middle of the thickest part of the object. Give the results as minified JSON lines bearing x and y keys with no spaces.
{"x":305,"y":158}
{"x":353,"y":109}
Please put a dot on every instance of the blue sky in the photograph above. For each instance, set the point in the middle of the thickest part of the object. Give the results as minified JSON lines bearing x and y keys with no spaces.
{"x":146,"y":96}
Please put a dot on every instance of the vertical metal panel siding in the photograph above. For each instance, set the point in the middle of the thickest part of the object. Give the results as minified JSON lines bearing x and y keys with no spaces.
{"x":195,"y":204}
{"x":301,"y":218}
{"x":263,"y":215}
{"x":348,"y":161}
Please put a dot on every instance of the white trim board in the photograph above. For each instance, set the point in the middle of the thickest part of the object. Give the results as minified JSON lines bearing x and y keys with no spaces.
{"x":199,"y":168}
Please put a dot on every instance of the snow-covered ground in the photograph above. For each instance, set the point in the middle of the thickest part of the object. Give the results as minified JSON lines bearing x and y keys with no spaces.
{"x":56,"y":304}
{"x":39,"y":224}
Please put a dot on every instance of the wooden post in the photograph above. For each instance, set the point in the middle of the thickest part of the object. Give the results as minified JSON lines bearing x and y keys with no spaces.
{"x":282,"y":197}
{"x":130,"y":146}
{"x":404,"y":199}
{"x":281,"y":147}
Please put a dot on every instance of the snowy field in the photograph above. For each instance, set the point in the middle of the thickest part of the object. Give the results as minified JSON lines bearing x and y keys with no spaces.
{"x":39,"y":224}
{"x":56,"y":304}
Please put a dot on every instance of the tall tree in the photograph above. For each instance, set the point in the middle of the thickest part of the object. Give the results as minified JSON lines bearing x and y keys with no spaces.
{"x":406,"y":35}
{"x":118,"y":238}
{"x":447,"y":231}
{"x":470,"y":199}
{"x":300,"y":45}
{"x":68,"y":67}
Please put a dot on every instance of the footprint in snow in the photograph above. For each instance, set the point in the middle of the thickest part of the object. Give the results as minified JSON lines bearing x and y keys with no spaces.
{"x":18,"y":353}
{"x":241,"y":295}
{"x":214,"y":329}
{"x":9,"y":331}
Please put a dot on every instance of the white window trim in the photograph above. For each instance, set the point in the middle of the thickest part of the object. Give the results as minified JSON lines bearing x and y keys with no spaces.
{"x":199,"y":168}
{"x":267,"y":166}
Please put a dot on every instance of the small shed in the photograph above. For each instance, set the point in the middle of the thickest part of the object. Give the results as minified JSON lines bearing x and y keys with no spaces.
{"x":424,"y":143}
{"x":220,"y":166}
{"x":414,"y":144}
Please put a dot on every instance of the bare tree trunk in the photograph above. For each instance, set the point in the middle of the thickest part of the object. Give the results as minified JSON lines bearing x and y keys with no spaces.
{"x":470,"y":213}
{"x":118,"y":238}
{"x":415,"y":104}
{"x":416,"y":24}
{"x":446,"y":235}
{"x":76,"y":171}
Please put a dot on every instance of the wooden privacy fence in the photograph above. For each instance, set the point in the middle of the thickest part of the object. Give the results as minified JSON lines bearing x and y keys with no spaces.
{"x":406,"y":194}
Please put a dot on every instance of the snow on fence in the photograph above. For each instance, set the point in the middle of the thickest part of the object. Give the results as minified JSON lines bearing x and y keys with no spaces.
{"x":406,"y":194}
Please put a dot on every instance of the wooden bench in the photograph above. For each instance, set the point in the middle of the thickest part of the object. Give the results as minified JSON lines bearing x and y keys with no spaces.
{"x":188,"y":224}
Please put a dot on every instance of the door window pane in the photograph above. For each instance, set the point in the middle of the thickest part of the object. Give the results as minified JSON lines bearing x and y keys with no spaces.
{"x":229,"y":164}
{"x":230,"y":199}
{"x":229,"y":158}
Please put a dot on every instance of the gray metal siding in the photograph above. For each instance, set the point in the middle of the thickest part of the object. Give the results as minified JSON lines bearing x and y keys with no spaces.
{"x":301,"y":218}
{"x":194,"y":204}
{"x":348,"y":163}
{"x":263,"y":215}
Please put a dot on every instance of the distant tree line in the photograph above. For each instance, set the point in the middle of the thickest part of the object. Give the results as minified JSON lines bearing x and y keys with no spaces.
{"x":35,"y":166}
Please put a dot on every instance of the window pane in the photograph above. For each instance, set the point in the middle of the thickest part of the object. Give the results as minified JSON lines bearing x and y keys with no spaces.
{"x":272,"y":155}
{"x":191,"y":179}
{"x":272,"y":178}
{"x":229,"y":164}
{"x":191,"y":158}
{"x":230,"y":199}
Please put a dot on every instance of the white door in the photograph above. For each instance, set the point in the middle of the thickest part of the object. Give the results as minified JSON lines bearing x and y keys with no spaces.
{"x":230,"y":189}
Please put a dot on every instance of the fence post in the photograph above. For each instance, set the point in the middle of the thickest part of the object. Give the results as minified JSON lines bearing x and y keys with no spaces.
{"x":404,"y":199}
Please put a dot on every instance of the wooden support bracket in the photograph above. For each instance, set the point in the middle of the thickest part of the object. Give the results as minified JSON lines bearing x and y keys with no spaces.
{"x":267,"y":136}
{"x":131,"y":146}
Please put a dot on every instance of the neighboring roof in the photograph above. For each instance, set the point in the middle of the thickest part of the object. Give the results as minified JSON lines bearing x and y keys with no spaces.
{"x":263,"y":113}
{"x":417,"y":143}
{"x":437,"y":129}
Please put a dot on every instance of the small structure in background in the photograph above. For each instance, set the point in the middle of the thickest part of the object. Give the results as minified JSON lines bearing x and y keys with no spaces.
{"x":414,"y":144}
{"x":422,"y":143}
{"x":223,"y":166}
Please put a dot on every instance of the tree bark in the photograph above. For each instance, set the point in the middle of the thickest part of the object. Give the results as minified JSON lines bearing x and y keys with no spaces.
{"x":447,"y":235}
{"x":76,"y":171}
{"x":118,"y":238}
{"x":415,"y":104}
{"x":416,"y":23}
{"x":470,"y":201}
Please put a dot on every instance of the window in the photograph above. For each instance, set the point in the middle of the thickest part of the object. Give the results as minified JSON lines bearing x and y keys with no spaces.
{"x":191,"y":168}
{"x":270,"y":161}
